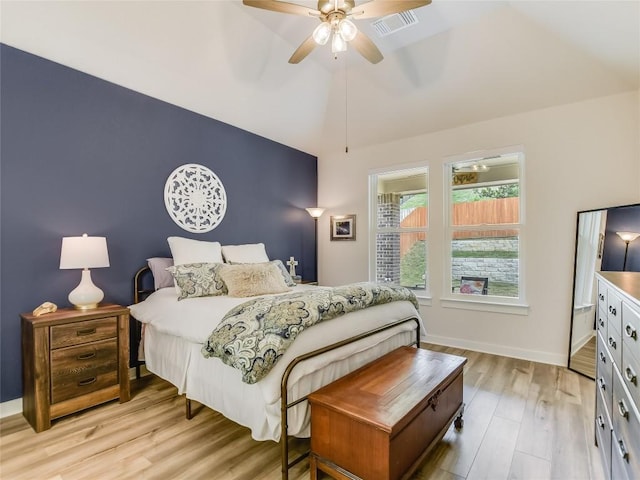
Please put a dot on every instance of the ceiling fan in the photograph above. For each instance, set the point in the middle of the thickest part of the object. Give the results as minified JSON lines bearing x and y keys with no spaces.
{"x":335,"y":17}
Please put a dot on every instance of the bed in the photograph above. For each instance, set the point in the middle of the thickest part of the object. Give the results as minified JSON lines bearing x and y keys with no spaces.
{"x":274,"y":407}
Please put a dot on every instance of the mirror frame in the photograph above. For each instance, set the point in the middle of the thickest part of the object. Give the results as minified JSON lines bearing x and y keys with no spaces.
{"x":575,"y":266}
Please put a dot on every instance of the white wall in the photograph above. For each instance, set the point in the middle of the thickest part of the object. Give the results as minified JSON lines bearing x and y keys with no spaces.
{"x":578,"y":156}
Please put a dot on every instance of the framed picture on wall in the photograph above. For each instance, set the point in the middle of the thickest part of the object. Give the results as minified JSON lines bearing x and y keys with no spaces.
{"x":343,"y":227}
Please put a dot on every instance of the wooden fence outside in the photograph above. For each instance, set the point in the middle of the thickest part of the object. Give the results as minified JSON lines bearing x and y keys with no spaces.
{"x":491,"y":212}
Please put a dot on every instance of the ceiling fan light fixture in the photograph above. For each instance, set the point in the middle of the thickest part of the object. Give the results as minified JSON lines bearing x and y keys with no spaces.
{"x":337,"y":43}
{"x":322,"y":33}
{"x":347,"y":29}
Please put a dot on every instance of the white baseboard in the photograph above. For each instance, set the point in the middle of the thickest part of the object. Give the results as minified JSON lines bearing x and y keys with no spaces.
{"x":14,"y":406}
{"x":11,"y":407}
{"x":505,"y":351}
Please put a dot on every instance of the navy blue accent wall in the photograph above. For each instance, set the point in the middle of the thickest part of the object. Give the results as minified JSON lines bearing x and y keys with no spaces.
{"x":621,"y":219}
{"x":82,"y":155}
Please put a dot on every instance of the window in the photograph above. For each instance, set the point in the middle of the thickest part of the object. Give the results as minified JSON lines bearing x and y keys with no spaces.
{"x":484,"y":225}
{"x":399,"y":220}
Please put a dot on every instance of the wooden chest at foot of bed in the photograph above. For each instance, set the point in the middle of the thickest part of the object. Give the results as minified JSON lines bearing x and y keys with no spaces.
{"x":380,"y":421}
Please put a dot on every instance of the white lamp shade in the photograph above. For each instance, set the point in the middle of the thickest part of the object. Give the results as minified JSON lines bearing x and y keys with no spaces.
{"x":315,"y":212}
{"x":628,"y":236}
{"x":84,"y":252}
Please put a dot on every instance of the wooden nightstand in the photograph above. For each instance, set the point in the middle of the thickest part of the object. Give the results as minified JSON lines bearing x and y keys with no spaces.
{"x":73,"y":359}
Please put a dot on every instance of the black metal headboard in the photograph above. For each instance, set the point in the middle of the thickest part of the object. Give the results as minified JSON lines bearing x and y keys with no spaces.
{"x":142,"y":284}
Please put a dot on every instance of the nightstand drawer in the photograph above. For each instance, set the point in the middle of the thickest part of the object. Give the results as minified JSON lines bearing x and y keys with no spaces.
{"x":77,"y":333}
{"x":84,"y":369}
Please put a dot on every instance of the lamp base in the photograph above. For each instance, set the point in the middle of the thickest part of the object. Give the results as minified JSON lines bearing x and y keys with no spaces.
{"x":86,"y":295}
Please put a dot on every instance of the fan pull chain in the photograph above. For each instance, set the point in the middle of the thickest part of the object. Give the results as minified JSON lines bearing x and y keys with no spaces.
{"x":346,"y":108}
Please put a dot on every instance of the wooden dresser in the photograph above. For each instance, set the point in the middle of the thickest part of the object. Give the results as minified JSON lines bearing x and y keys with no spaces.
{"x":72,"y":360}
{"x":380,"y":421}
{"x":618,"y":367}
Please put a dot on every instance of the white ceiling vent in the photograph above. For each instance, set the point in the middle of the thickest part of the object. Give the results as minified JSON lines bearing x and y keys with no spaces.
{"x":392,"y":23}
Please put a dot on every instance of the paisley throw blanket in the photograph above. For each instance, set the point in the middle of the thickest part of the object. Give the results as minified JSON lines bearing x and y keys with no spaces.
{"x":254,"y":335}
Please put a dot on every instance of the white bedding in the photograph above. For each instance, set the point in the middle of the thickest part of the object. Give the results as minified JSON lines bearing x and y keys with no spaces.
{"x":175,"y":331}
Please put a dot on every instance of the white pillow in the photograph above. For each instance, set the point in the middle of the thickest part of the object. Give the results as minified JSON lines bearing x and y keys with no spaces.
{"x":248,"y":253}
{"x":186,"y":250}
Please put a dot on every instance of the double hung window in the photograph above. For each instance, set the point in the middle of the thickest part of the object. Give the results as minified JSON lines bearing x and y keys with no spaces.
{"x":399,"y":237}
{"x":485,"y":228}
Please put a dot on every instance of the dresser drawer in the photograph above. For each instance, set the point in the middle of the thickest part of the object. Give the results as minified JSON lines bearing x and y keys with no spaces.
{"x":602,"y":295}
{"x":83,"y":332}
{"x":601,"y":322}
{"x":83,"y":369}
{"x":629,"y":370}
{"x":626,"y":426}
{"x":614,"y":312}
{"x":604,"y":373}
{"x":631,"y":330}
{"x":618,"y":462}
{"x":603,"y":432}
{"x":614,"y":345}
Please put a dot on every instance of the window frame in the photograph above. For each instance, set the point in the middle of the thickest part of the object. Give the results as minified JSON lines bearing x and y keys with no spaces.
{"x":424,"y":295}
{"x":513,"y":305}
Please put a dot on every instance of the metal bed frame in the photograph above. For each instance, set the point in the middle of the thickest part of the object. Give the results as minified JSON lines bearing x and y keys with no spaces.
{"x":140,"y":293}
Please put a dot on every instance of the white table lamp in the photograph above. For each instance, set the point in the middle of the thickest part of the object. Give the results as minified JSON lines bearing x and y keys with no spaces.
{"x":84,"y":252}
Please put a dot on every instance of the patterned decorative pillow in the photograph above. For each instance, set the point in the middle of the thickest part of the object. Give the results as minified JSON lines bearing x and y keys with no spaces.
{"x":253,"y":279}
{"x":198,"y":280}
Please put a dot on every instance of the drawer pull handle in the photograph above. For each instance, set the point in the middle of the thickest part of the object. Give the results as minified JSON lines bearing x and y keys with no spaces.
{"x":603,"y":357}
{"x":623,"y":451}
{"x":622,"y":409}
{"x":433,"y":401}
{"x":631,"y":375}
{"x":86,"y":331}
{"x":602,"y":384}
{"x":88,"y":381}
{"x":86,"y":356}
{"x":600,"y":422}
{"x":612,"y":342}
{"x":601,"y":322}
{"x":612,"y":310}
{"x":630,"y":331}
{"x":601,"y":297}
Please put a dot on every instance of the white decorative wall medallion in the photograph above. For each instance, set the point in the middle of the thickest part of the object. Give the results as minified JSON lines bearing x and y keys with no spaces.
{"x":195,"y":198}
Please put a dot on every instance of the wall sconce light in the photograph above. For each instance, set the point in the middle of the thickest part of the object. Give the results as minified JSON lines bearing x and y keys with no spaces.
{"x":316,"y":213}
{"x":84,"y":252}
{"x":627,"y":237}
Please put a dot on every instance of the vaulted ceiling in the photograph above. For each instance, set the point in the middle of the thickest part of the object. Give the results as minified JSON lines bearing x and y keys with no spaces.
{"x":463,"y":62}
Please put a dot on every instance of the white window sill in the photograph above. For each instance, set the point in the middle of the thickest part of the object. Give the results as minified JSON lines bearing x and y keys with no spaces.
{"x":424,"y":301}
{"x":582,"y":308}
{"x":485,"y":305}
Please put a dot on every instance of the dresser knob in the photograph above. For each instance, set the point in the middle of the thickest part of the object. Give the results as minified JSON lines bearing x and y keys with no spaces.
{"x":623,"y":451}
{"x":603,"y":357}
{"x":622,"y":409}
{"x":612,"y":342}
{"x":600,"y":422}
{"x":602,"y":384}
{"x":630,"y":331}
{"x":631,"y":375}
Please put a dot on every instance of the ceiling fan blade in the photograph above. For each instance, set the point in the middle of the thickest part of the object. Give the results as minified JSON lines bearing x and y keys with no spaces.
{"x":366,"y":48}
{"x":382,"y":8}
{"x":303,"y":50}
{"x":282,"y":7}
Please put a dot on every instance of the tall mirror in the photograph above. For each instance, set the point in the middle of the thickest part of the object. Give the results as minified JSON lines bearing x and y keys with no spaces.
{"x":604,"y":242}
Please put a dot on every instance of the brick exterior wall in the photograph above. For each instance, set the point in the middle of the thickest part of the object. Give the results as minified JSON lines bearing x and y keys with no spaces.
{"x":388,"y":244}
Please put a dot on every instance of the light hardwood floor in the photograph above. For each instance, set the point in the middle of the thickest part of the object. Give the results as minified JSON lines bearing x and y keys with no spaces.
{"x":523,"y":420}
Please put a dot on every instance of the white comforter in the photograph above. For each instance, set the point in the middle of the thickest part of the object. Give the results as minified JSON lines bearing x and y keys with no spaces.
{"x":188,"y":324}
